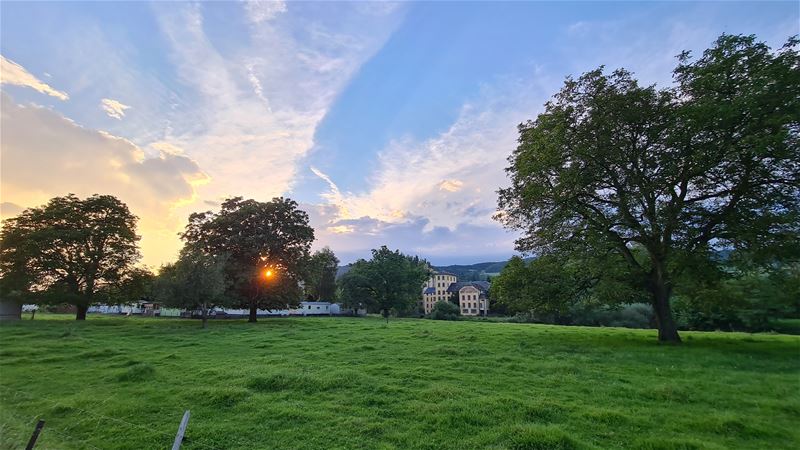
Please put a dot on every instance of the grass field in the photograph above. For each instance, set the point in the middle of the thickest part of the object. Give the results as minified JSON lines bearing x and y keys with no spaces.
{"x":116,"y":382}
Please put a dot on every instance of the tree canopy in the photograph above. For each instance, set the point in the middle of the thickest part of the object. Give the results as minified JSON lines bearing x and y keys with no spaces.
{"x":388,"y":281}
{"x":68,"y":249}
{"x":256,"y":237}
{"x":662,"y":178}
{"x":195,"y":281}
{"x":320,"y":278}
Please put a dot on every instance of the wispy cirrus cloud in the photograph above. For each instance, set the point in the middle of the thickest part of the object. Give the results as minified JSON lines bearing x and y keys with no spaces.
{"x":13,"y":73}
{"x":259,"y":11}
{"x":113,"y":108}
{"x":436,"y":197}
{"x":260,"y":106}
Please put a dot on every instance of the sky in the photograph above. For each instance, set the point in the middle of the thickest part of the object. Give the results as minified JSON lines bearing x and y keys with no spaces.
{"x":389,"y":123}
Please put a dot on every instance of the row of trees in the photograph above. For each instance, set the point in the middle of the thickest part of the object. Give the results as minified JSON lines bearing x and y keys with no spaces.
{"x":734,"y":296}
{"x":84,"y":251}
{"x":636,"y":191}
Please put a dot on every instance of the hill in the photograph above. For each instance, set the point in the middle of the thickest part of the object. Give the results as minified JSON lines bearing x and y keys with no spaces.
{"x":475,"y":272}
{"x":464,"y":272}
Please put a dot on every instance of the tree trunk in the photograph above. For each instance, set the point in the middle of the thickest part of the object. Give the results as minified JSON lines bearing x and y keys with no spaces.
{"x":204,"y":315}
{"x":386,"y":314}
{"x":81,"y":312}
{"x":661,"y":292}
{"x":253,"y":312}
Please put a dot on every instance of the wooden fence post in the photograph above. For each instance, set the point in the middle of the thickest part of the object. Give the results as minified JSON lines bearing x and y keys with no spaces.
{"x":35,"y":435}
{"x":181,"y":430}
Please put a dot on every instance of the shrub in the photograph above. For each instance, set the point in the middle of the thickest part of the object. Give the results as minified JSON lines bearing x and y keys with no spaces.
{"x":444,"y":310}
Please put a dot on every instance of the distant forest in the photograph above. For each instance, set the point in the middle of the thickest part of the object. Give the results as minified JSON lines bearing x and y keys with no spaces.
{"x":464,"y":272}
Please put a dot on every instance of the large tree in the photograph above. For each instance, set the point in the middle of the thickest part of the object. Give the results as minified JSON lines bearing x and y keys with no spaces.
{"x":69,"y":249}
{"x":662,"y":178}
{"x":195,"y":281}
{"x":320,"y":277}
{"x":265,"y":245}
{"x":390,"y":280}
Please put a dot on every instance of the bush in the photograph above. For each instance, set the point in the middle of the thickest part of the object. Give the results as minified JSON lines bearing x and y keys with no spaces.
{"x":444,"y":310}
{"x":752,"y":302}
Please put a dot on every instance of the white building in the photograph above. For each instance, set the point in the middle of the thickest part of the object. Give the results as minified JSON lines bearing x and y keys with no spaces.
{"x":436,"y":289}
{"x":471,"y":295}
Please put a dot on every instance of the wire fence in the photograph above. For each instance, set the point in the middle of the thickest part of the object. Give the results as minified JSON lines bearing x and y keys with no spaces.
{"x":89,"y":425}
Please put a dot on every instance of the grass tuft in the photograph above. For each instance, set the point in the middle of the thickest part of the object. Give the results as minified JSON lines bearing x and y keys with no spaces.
{"x":542,"y":438}
{"x":137,"y":372}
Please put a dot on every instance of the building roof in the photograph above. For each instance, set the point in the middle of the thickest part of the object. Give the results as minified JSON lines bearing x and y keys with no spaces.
{"x":482,"y":286}
{"x":429,"y":290}
{"x":438,"y":272}
{"x":316,"y":303}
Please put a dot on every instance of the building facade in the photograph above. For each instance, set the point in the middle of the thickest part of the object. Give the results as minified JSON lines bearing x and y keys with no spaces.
{"x":443,"y":286}
{"x":436,"y":289}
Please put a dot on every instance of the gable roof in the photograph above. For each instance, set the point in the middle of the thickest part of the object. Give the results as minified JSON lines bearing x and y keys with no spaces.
{"x":482,"y":286}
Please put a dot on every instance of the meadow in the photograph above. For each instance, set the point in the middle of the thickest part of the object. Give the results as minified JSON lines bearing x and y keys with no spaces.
{"x":124,"y":383}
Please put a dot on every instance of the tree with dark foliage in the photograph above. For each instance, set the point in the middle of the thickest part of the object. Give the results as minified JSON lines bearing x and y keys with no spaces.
{"x":68,"y":250}
{"x":320,"y":278}
{"x":390,"y":280}
{"x":195,"y":281}
{"x":265,"y":246}
{"x":612,"y":167}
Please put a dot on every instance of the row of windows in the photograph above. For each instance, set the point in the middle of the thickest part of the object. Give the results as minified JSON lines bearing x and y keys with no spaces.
{"x":470,"y":296}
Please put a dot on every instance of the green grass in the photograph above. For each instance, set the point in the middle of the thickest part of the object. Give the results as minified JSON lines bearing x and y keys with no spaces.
{"x":116,"y":382}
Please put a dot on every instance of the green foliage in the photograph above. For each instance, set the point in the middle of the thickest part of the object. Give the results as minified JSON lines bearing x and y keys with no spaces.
{"x":135,"y":284}
{"x":389,"y":281}
{"x":543,"y":286}
{"x":68,"y":250}
{"x":444,"y":310}
{"x":612,"y":167}
{"x":320,"y":278}
{"x":555,"y":288}
{"x":195,"y":281}
{"x":255,"y":236}
{"x":748,"y":301}
{"x":354,"y":383}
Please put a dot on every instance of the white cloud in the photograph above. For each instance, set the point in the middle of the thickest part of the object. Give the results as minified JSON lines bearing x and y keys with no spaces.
{"x":449,"y":179}
{"x":259,"y":11}
{"x":13,"y":73}
{"x":436,"y":197}
{"x":47,"y":155}
{"x":260,"y":106}
{"x":113,"y":108}
{"x":451,"y":185}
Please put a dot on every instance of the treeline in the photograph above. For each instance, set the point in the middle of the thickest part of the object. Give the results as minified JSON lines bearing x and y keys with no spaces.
{"x":249,"y":254}
{"x":734,"y":296}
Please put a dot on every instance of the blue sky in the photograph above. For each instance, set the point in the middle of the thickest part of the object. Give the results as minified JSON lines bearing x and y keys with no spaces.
{"x":389,"y":122}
